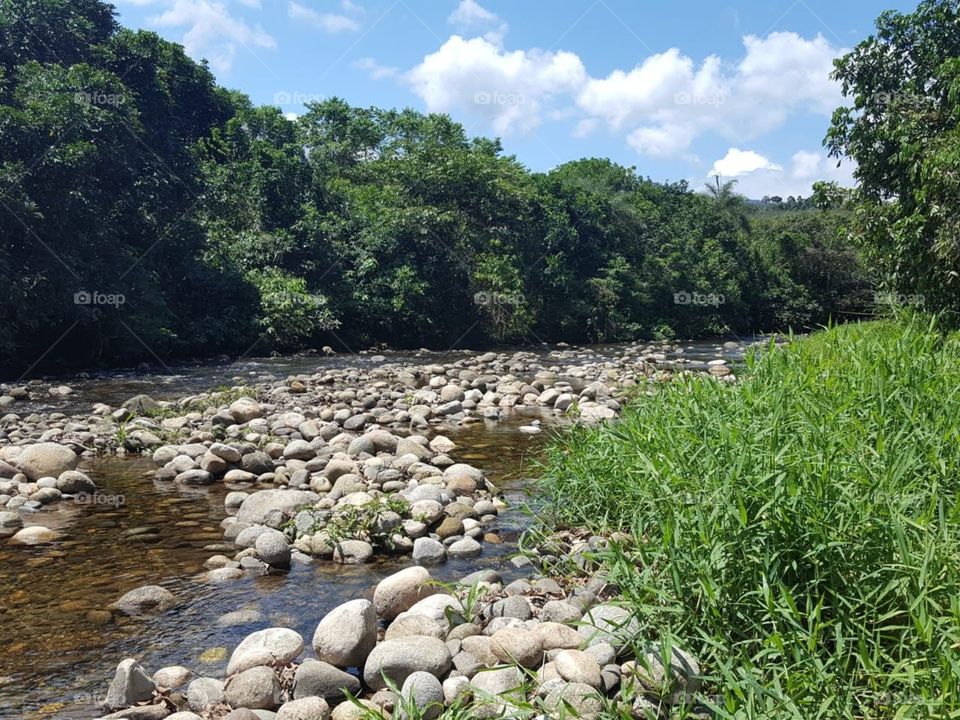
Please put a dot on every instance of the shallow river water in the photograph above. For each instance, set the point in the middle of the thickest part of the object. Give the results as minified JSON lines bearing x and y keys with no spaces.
{"x":57,"y":655}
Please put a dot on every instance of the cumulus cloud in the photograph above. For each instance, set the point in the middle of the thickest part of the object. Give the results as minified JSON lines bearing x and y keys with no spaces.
{"x":758,"y":176}
{"x":507,"y":90}
{"x":211,"y":31}
{"x":331,"y":23}
{"x":739,"y":162}
{"x":660,"y":107}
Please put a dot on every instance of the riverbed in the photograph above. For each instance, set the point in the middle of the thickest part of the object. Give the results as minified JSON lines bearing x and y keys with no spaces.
{"x":59,"y":652}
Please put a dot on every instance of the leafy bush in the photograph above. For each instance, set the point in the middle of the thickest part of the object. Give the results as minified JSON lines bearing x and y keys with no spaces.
{"x":799,"y":530}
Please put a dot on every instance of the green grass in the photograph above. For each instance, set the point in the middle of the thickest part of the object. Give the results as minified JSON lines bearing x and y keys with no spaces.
{"x":797,"y":531}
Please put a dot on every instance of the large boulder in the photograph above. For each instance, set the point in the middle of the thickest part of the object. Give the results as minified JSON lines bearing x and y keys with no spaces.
{"x":258,"y":505}
{"x":272,"y":645}
{"x":398,"y":659}
{"x":401,"y":591}
{"x":46,"y":460}
{"x":130,"y":685}
{"x":347,"y":634}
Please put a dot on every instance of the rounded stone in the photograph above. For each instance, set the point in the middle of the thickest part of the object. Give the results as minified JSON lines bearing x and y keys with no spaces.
{"x":255,"y":688}
{"x":398,"y":659}
{"x":424,"y":692}
{"x":264,"y":647}
{"x":578,"y":667}
{"x":399,"y":592}
{"x":308,"y":708}
{"x":346,"y":635}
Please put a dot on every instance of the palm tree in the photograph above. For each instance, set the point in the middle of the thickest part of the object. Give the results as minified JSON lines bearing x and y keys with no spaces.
{"x":727,"y":199}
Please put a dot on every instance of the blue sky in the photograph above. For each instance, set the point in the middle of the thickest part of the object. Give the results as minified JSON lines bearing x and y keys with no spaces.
{"x":680,"y":90}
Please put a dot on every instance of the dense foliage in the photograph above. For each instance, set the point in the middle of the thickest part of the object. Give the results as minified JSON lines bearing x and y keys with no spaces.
{"x":902,"y":130}
{"x":147,"y":213}
{"x":797,"y":531}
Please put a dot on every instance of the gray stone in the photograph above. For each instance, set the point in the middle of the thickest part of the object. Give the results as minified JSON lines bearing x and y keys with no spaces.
{"x":172,"y":677}
{"x":72,"y":482}
{"x":264,"y":647}
{"x":204,"y":692}
{"x":130,"y":685}
{"x":255,"y":688}
{"x":346,"y":634}
{"x":424,"y":692}
{"x":517,"y":645}
{"x":320,"y":679}
{"x":307,"y":708}
{"x":427,"y":551}
{"x":465,"y":548}
{"x":609,"y":624}
{"x":271,"y":546}
{"x":576,"y":700}
{"x":401,"y":591}
{"x":578,"y":667}
{"x":398,"y":659}
{"x":145,"y":600}
{"x":352,"y":552}
{"x":258,"y":505}
{"x":46,"y":459}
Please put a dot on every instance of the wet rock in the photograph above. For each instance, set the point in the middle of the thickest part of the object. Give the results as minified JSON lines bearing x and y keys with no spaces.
{"x":320,"y":679}
{"x":347,"y":634}
{"x":130,"y":685}
{"x":73,"y":482}
{"x":401,"y":591}
{"x":271,"y":546}
{"x":352,"y":552}
{"x":272,"y":645}
{"x":255,"y":688}
{"x":398,"y":659}
{"x":35,"y":535}
{"x":145,"y":600}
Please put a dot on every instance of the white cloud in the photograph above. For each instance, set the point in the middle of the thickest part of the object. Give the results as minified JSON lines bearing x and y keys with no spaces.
{"x":211,"y":31}
{"x":739,"y":162}
{"x":507,"y":90}
{"x":374,"y":69}
{"x":769,"y":178}
{"x":330,"y":23}
{"x":660,"y":107}
{"x":470,"y":17}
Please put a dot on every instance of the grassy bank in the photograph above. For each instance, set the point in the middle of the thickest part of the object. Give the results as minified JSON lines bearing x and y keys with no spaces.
{"x":797,"y":531}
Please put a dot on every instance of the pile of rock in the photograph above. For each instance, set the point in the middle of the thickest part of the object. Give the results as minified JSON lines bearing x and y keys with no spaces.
{"x":342,"y":496}
{"x":526,"y":649}
{"x":33,"y":476}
